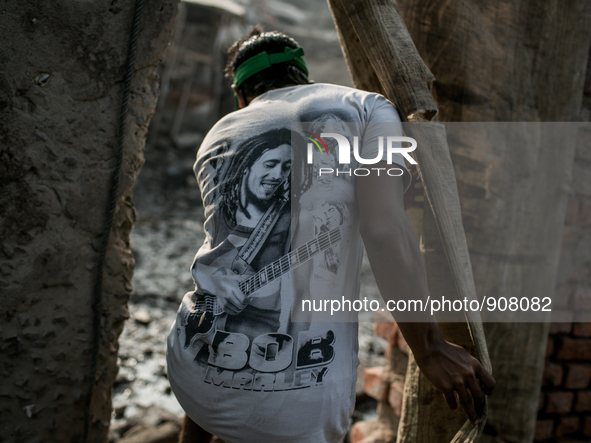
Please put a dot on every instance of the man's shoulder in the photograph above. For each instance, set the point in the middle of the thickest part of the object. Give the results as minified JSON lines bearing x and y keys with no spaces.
{"x":301,"y":97}
{"x":317,"y":89}
{"x":358,"y":102}
{"x":304,"y":103}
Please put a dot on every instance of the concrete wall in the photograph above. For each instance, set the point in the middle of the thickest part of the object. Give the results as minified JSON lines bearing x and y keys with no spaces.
{"x":61,"y":69}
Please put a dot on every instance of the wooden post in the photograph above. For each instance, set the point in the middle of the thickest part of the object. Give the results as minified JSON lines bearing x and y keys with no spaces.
{"x":382,"y":58}
{"x":509,"y":61}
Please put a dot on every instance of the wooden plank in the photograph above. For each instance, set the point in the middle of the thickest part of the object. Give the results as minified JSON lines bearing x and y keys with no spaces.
{"x":374,"y":32}
{"x":509,"y":60}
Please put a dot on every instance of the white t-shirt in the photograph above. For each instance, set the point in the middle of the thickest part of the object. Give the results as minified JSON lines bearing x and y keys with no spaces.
{"x":282,"y":369}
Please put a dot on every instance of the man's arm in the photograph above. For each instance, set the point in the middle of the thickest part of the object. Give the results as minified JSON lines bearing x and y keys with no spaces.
{"x":398,"y":268}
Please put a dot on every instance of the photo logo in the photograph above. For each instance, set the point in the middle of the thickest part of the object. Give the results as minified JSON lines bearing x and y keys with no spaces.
{"x":393,"y":146}
{"x":316,"y":143}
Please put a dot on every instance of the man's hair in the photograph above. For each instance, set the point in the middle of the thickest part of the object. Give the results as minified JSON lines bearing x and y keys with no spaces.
{"x":247,"y":154}
{"x":276,"y":76}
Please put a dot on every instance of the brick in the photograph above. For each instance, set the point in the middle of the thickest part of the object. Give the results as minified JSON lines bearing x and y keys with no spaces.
{"x":395,"y":395}
{"x":559,"y":402}
{"x":398,"y":360}
{"x":544,"y":430}
{"x":362,"y":429}
{"x":587,"y":426}
{"x":585,"y":214}
{"x":567,"y":426}
{"x":580,"y":275}
{"x":560,"y":328}
{"x":402,"y":344}
{"x":388,"y":351}
{"x":582,"y":329}
{"x":573,"y":349}
{"x":571,"y":235}
{"x":582,"y":299}
{"x":549,"y":347}
{"x":374,"y":431}
{"x":383,"y":317}
{"x":561,"y":321}
{"x":577,"y":376}
{"x":572,"y":211}
{"x":583,"y":402}
{"x":582,"y":151}
{"x":386,"y":330}
{"x":562,"y":296}
{"x":583,"y":317}
{"x":567,"y":439}
{"x":374,"y":382}
{"x":552,"y":375}
{"x":562,"y":316}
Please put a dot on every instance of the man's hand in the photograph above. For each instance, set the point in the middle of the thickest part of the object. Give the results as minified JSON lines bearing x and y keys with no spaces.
{"x":451,"y":369}
{"x":232,"y":300}
{"x":223,"y":284}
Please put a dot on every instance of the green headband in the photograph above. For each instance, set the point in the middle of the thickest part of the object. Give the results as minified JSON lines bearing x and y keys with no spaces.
{"x":263,"y":61}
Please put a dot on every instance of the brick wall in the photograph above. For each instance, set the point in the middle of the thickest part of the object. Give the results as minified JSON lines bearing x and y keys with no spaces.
{"x":565,"y":400}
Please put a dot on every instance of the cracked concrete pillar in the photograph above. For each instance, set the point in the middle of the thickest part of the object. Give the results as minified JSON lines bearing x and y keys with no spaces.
{"x":62,"y":65}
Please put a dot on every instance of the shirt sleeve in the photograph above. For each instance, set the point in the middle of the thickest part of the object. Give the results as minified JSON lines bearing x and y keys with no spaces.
{"x":384,"y":121}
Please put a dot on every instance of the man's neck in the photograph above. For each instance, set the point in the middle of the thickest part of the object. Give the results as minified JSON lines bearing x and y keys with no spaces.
{"x":244,"y":100}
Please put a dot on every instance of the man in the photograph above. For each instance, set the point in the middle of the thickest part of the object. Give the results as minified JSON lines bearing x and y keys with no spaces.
{"x":246,"y":360}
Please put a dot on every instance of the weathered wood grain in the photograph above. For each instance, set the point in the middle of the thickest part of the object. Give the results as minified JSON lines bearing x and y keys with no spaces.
{"x":374,"y":32}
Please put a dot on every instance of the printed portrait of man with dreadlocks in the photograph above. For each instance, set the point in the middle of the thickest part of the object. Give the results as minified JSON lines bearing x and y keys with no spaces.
{"x":240,"y":290}
{"x":329,"y":201}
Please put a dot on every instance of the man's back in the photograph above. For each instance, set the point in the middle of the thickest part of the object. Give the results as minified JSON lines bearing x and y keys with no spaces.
{"x":281,"y":230}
